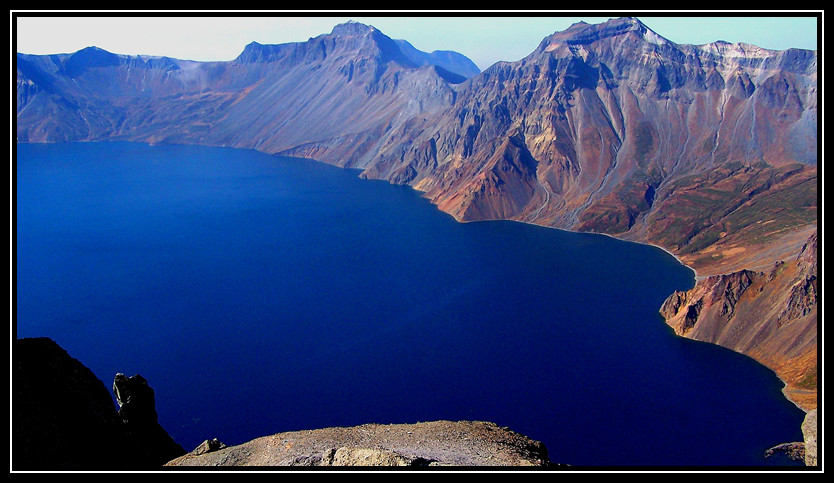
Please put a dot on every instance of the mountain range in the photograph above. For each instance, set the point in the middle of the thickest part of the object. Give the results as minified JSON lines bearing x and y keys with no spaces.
{"x":708,"y":151}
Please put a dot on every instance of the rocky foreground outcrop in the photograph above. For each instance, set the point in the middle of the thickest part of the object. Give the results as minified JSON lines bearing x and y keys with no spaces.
{"x":437,"y":443}
{"x":63,"y":418}
{"x":805,"y":450}
{"x":809,"y":433}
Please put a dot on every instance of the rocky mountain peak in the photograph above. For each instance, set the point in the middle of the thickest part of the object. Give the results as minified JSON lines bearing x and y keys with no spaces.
{"x":351,"y":38}
{"x":735,"y":50}
{"x":255,"y":52}
{"x":582,"y":34}
{"x":352,"y":27}
{"x":87,"y":58}
{"x":367,"y":39}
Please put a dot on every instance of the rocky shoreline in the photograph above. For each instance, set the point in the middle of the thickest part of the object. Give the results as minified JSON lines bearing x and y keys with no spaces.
{"x":769,"y":315}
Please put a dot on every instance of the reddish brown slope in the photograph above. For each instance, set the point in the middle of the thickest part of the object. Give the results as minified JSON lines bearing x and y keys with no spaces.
{"x":708,"y":151}
{"x":770,"y":315}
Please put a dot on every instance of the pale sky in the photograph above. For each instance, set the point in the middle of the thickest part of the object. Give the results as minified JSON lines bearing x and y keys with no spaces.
{"x":485,"y":37}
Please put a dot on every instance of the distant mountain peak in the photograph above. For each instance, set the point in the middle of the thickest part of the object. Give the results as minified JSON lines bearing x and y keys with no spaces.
{"x":581,"y":33}
{"x":87,"y":58}
{"x":447,"y":59}
{"x":352,"y":27}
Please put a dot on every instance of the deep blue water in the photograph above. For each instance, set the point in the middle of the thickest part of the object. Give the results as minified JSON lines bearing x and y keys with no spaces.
{"x":260,"y":294}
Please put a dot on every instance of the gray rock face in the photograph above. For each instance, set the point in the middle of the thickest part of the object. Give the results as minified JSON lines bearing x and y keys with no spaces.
{"x":135,"y":398}
{"x":208,"y":446}
{"x":794,"y":451}
{"x":606,"y":112}
{"x":137,"y":409}
{"x":805,"y":451}
{"x":809,"y":431}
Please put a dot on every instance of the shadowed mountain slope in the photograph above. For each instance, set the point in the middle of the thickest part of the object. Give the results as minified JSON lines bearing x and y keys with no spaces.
{"x":328,"y":97}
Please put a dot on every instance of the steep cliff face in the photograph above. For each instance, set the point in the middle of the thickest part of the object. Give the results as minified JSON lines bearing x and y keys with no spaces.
{"x":769,"y":315}
{"x":809,"y":433}
{"x":709,"y":151}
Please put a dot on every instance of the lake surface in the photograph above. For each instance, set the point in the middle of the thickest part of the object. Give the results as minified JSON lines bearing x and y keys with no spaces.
{"x":260,"y":294}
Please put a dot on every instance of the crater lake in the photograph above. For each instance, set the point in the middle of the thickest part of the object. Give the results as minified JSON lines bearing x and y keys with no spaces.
{"x":262,"y":294}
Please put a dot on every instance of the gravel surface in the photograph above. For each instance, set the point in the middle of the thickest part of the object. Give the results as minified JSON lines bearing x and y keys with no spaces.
{"x":438,"y":443}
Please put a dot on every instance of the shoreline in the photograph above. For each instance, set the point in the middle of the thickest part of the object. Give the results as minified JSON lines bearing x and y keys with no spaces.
{"x":697,"y":278}
{"x":695,"y":275}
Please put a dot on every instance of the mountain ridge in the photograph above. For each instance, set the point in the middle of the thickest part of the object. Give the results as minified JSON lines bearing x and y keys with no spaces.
{"x":447,"y":59}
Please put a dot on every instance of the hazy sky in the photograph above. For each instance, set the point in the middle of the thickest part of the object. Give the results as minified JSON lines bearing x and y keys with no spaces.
{"x":483,"y":37}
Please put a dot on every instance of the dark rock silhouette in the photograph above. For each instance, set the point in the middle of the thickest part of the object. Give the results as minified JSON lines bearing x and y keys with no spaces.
{"x":63,"y":417}
{"x":137,"y":409}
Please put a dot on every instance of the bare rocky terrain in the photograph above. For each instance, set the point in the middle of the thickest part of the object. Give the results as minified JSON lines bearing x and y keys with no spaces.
{"x":437,"y":443}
